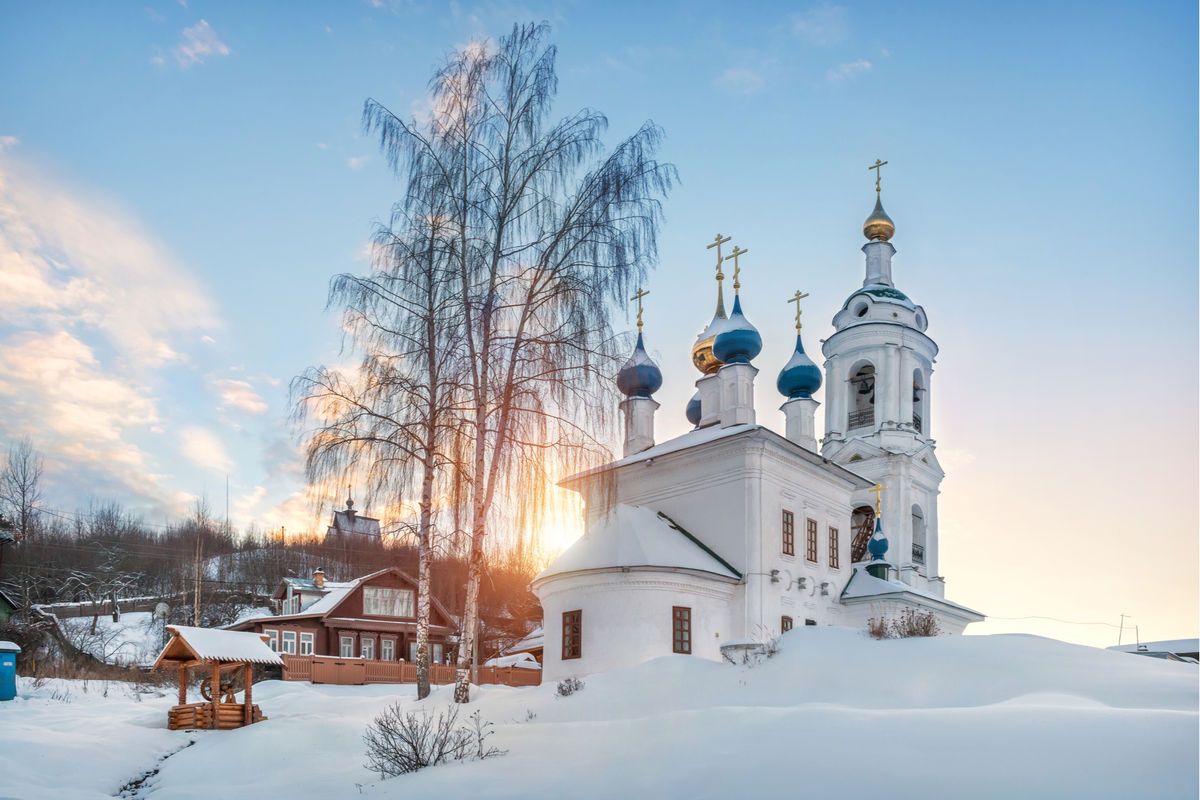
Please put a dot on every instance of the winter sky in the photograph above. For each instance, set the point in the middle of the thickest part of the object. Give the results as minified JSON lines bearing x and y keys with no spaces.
{"x":179,"y":181}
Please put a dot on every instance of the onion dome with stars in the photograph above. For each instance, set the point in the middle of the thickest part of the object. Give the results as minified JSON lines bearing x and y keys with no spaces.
{"x":800,"y":377}
{"x":740,"y":342}
{"x":693,"y":409}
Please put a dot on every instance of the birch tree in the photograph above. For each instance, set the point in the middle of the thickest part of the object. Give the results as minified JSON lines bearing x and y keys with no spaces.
{"x":547,"y":229}
{"x":396,"y":417}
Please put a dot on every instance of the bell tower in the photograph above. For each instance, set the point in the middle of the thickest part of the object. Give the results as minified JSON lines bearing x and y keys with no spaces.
{"x":878,"y":365}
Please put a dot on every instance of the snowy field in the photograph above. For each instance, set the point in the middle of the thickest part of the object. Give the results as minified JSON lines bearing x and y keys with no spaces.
{"x":834,"y":713}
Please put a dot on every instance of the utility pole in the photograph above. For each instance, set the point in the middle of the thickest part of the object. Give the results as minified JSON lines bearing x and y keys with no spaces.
{"x":196,"y":582}
{"x":1121,"y":631}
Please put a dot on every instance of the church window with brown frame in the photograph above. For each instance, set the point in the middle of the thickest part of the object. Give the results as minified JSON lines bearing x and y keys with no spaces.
{"x":681,"y":624}
{"x":572,"y":634}
{"x":811,"y":549}
{"x":785,"y":624}
{"x":789,"y":534}
{"x":833,"y":548}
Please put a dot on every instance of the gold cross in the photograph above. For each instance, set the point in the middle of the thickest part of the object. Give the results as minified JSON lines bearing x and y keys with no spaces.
{"x":796,"y":298}
{"x":877,"y":490}
{"x":640,"y":294}
{"x":876,"y":167}
{"x":737,"y":251}
{"x":717,"y":242}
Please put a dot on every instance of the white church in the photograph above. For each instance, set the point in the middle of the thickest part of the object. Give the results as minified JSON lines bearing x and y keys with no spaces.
{"x":732,"y":532}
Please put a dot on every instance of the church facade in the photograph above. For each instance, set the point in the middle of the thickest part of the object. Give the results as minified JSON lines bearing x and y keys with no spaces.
{"x":734,"y":532}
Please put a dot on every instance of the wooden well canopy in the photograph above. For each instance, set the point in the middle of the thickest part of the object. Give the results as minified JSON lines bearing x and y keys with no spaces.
{"x":218,"y":651}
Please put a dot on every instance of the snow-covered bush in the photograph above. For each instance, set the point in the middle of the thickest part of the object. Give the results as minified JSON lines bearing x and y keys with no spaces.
{"x":400,"y":742}
{"x":909,"y":624}
{"x":568,"y":687}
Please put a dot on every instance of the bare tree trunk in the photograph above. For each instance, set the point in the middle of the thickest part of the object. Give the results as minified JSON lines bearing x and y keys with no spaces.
{"x":424,"y":573}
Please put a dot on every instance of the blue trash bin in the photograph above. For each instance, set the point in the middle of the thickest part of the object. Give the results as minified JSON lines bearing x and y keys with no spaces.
{"x":8,"y":670}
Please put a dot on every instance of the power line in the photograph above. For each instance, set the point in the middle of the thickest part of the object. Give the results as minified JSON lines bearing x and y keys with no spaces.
{"x":1054,"y":619}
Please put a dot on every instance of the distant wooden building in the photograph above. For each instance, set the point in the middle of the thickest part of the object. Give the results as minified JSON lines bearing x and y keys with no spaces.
{"x":8,"y":607}
{"x":373,"y":617}
{"x":353,"y":530}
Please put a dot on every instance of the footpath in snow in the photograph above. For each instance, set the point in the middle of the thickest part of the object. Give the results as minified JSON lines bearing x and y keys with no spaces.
{"x":834,"y":712}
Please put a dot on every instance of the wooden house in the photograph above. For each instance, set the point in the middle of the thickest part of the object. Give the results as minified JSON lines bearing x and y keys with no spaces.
{"x":373,"y":618}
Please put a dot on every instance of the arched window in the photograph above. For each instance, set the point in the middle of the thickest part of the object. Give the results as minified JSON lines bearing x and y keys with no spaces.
{"x":862,"y":522}
{"x":918,"y":535}
{"x":862,"y":398}
{"x":918,"y":419}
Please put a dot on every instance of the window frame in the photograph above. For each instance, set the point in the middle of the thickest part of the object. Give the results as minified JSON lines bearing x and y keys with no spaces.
{"x":307,"y":638}
{"x":387,"y":649}
{"x":379,"y":594}
{"x":789,"y":533}
{"x":345,"y":642}
{"x":810,"y":549}
{"x":572,"y":642}
{"x":366,"y":648}
{"x":272,"y":638}
{"x":786,"y":623}
{"x":835,"y":560}
{"x":288,"y":641}
{"x":681,"y":630}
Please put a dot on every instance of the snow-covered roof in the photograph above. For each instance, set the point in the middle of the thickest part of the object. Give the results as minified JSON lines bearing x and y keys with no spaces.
{"x":521,"y":660}
{"x":1164,"y":646}
{"x":863,"y":585}
{"x":8,"y":599}
{"x":353,"y":522}
{"x":533,"y":640}
{"x":9,"y":647}
{"x":634,"y":536}
{"x":215,"y":644}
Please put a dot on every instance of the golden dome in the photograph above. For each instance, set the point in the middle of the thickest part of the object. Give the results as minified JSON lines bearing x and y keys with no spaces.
{"x":879,"y":225}
{"x":702,"y":353}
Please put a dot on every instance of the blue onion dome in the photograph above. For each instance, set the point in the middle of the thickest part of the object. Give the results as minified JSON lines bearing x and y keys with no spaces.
{"x":640,"y":377}
{"x":740,"y":341}
{"x":800,"y":377}
{"x":693,"y":409}
{"x":878,"y":545}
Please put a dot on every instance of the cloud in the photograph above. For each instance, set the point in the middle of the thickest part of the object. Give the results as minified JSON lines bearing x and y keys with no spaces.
{"x":8,"y":142}
{"x":740,"y":80}
{"x":823,"y":25}
{"x":204,"y":449}
{"x":92,"y":309}
{"x":199,"y":42}
{"x":239,"y":394}
{"x":208,"y":339}
{"x":357,"y":162}
{"x":848,"y":69}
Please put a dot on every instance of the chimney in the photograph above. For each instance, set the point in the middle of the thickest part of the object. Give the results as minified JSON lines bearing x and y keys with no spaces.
{"x":319,"y":578}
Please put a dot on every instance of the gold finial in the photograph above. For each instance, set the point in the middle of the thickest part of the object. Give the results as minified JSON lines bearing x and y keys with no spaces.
{"x":717,"y":241}
{"x":796,"y":298}
{"x":640,"y":294}
{"x":737,"y":251}
{"x":877,"y":490}
{"x":876,"y":167}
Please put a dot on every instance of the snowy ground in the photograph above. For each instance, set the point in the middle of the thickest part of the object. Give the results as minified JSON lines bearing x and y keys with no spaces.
{"x":833,"y":713}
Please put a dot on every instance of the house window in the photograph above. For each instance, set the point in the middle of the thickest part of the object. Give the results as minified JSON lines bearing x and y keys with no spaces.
{"x":789,"y":534}
{"x":572,"y":634}
{"x":387,"y":649}
{"x":368,"y":648}
{"x":272,"y":639}
{"x":833,"y":548}
{"x":785,"y":624}
{"x":681,"y":623}
{"x":289,"y":642}
{"x":306,"y":644}
{"x":296,"y":604}
{"x":381,"y":602}
{"x":437,"y":654}
{"x":811,"y":549}
{"x":347,"y":647}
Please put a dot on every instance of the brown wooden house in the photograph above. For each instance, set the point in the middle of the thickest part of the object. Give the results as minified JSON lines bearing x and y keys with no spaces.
{"x":373,"y":617}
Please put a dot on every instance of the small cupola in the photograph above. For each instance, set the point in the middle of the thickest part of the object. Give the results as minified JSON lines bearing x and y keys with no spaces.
{"x":740,"y":341}
{"x":800,"y":376}
{"x":693,"y":410}
{"x":640,"y":376}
